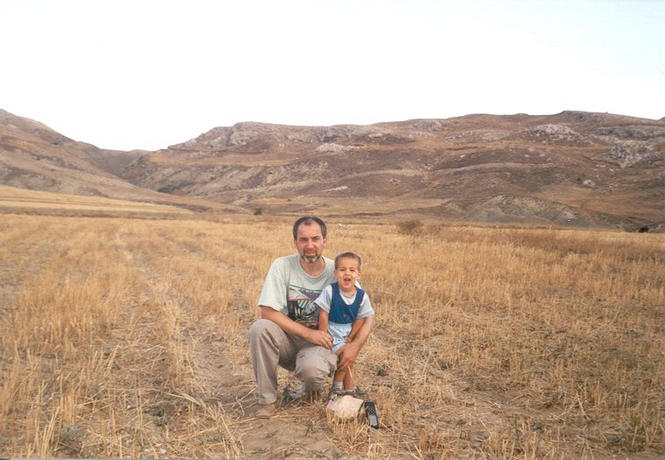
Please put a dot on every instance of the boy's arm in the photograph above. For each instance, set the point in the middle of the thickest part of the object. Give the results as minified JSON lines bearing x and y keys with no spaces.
{"x":357,"y":324}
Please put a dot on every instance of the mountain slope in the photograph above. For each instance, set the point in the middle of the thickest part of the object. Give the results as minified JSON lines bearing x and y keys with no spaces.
{"x":33,"y":156}
{"x":573,"y":168}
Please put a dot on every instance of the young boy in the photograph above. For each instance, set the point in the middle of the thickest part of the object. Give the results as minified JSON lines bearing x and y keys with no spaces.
{"x":344,"y":307}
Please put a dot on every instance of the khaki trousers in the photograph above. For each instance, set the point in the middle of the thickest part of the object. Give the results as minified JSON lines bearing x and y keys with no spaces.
{"x":270,"y":346}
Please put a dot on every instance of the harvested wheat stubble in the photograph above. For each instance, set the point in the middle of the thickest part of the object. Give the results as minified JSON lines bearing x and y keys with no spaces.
{"x":125,"y":337}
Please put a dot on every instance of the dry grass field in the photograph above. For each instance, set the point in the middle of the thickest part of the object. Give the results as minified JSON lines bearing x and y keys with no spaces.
{"x":22,"y":201}
{"x":125,"y":337}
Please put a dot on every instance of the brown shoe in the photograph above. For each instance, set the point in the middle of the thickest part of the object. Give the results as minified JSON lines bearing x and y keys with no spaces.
{"x":266,"y":410}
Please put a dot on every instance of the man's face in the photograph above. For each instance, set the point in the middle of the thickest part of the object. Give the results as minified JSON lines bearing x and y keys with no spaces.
{"x":310,"y":242}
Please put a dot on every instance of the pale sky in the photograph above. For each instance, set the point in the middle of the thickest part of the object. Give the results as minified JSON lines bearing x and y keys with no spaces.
{"x":133,"y":74}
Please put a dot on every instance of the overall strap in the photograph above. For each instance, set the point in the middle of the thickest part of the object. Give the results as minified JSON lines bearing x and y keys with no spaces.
{"x":340,"y":312}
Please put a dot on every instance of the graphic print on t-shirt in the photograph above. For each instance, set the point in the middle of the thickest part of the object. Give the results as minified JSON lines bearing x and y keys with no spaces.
{"x":301,"y":306}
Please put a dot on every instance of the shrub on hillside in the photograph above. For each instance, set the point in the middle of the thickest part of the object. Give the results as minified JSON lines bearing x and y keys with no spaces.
{"x":410,"y":227}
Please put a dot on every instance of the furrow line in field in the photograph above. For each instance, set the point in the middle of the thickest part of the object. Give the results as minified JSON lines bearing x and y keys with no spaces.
{"x":204,"y":369}
{"x":219,"y":375}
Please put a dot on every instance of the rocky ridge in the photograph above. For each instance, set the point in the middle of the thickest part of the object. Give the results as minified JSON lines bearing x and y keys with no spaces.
{"x":572,"y":168}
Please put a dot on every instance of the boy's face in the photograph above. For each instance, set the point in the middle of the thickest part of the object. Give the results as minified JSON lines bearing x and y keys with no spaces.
{"x":347,"y":272}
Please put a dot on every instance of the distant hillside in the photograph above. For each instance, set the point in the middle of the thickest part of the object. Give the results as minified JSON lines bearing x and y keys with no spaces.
{"x":36,"y":157}
{"x":573,"y":168}
{"x":33,"y":156}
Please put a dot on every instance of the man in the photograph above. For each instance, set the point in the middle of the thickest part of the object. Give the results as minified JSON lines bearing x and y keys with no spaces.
{"x":287,"y":334}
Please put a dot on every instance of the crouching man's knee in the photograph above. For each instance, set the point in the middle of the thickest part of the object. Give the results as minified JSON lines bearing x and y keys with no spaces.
{"x":260,"y":330}
{"x":314,"y":366}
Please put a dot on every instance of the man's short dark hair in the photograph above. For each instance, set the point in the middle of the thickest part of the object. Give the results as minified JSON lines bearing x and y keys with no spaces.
{"x":307,"y":220}
{"x":349,"y":255}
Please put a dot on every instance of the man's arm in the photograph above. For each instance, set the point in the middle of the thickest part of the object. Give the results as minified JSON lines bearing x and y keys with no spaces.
{"x":348,"y":353}
{"x":323,"y":320}
{"x":317,"y":337}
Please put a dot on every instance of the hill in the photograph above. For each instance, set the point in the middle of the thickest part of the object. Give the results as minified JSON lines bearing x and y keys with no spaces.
{"x":33,"y":156}
{"x":572,"y":168}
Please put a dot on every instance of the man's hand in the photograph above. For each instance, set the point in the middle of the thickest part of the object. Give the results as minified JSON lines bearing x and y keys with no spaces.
{"x":347,"y":354}
{"x":289,"y":326}
{"x":318,"y":337}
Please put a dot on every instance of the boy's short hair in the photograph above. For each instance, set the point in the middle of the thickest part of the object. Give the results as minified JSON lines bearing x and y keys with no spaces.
{"x":350,"y":255}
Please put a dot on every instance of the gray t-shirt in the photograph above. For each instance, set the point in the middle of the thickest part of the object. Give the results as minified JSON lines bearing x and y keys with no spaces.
{"x":287,"y":288}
